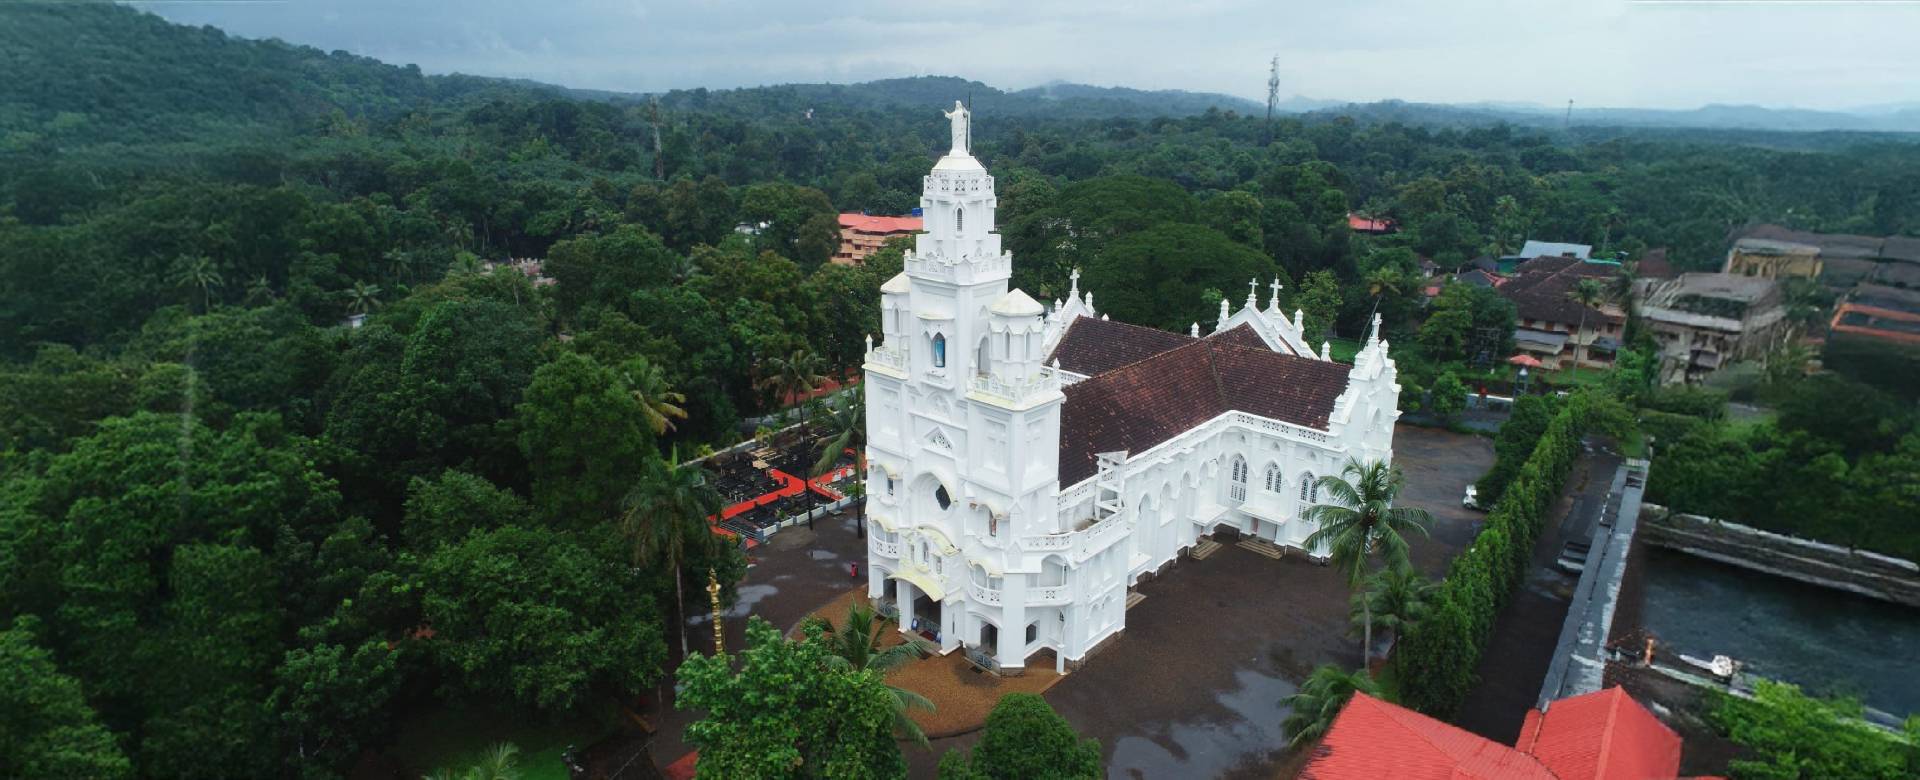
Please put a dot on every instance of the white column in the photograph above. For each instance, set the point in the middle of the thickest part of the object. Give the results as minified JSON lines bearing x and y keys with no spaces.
{"x":876,"y":584}
{"x":953,"y":621}
{"x":1013,"y":623}
{"x":903,"y":596}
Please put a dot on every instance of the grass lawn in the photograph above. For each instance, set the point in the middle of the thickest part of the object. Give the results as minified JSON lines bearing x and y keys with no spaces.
{"x":1567,"y":377}
{"x":455,"y":737}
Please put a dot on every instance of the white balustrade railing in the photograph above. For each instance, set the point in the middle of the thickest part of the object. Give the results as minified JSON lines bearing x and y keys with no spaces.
{"x":1015,"y":390}
{"x":883,"y":549}
{"x":889,"y":356}
{"x":982,"y":594}
{"x":1276,"y":427}
{"x":1058,"y":594}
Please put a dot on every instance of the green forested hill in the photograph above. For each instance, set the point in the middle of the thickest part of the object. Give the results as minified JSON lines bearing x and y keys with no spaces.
{"x":99,"y":71}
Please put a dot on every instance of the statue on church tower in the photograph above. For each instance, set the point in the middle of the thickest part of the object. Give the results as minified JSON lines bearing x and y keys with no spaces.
{"x":962,"y":129}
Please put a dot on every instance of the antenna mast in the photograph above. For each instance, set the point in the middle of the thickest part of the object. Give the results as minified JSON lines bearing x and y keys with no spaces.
{"x":1273,"y":94}
{"x":1568,"y":125}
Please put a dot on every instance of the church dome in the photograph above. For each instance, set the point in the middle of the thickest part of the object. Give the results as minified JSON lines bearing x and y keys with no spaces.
{"x":958,"y":162}
{"x":898,"y":284}
{"x":1017,"y":304}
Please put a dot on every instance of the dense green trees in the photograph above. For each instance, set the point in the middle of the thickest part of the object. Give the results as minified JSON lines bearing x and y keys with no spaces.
{"x":1025,"y":738}
{"x":1794,"y":736}
{"x":46,"y":727}
{"x":788,"y":712}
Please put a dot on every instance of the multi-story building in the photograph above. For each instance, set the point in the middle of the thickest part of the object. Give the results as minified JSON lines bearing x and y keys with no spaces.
{"x":1029,"y":463}
{"x":1705,"y":321}
{"x":1554,"y":328}
{"x":862,"y":235}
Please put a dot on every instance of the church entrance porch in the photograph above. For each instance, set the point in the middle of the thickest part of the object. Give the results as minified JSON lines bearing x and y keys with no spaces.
{"x":926,"y":618}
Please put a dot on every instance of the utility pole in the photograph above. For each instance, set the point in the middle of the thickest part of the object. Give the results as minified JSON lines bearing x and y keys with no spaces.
{"x":1568,"y":124}
{"x":1273,"y":95}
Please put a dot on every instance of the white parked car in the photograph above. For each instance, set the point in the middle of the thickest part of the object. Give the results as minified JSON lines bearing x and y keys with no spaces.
{"x":1472,"y":499}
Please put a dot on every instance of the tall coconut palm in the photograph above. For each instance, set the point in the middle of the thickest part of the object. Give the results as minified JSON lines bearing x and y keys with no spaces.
{"x":665,"y":519}
{"x":197,"y":272}
{"x":855,"y":645}
{"x":1588,"y":293}
{"x":790,"y":379}
{"x":845,"y":428}
{"x":1360,"y":522}
{"x":1381,"y":282}
{"x":658,"y":400}
{"x":1396,"y":599}
{"x":1312,"y":710}
{"x":363,"y":298}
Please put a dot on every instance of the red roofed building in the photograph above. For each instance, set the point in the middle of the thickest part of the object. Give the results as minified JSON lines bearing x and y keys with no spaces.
{"x":1604,"y":735}
{"x":862,"y":235}
{"x":1370,"y":225}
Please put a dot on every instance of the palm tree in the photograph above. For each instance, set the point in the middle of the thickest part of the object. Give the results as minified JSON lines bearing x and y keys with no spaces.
{"x":465,"y":264}
{"x":1313,"y":709}
{"x":658,"y":400}
{"x":500,"y":762}
{"x":846,"y":429}
{"x":1395,"y":600}
{"x":259,"y":292}
{"x":856,"y":646}
{"x":1588,"y":293}
{"x":363,"y":298}
{"x":791,"y":378}
{"x":666,"y":517}
{"x":1380,"y":282}
{"x":197,"y":272}
{"x":1360,"y":522}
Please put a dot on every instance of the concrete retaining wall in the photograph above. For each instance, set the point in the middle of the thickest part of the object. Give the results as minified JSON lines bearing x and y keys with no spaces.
{"x":1868,"y":574}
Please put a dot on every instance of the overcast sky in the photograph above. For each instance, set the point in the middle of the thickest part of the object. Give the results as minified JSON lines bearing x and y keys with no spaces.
{"x":1808,"y":53}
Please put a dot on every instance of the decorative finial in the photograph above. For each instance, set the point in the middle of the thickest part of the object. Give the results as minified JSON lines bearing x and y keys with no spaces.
{"x":1253,"y":286}
{"x":1074,"y":279}
{"x":1326,"y":350}
{"x":1223,"y":315}
{"x":1299,"y":318}
{"x":869,"y":342}
{"x":1273,"y":303}
{"x":719,"y":631}
{"x":1089,"y":301}
{"x":1374,"y":333}
{"x":1194,"y":330}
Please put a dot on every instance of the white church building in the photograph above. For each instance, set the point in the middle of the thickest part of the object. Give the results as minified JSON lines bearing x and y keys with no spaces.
{"x":1028,"y":463}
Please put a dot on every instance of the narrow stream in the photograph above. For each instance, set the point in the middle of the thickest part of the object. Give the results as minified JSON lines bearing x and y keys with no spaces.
{"x":1827,"y":641}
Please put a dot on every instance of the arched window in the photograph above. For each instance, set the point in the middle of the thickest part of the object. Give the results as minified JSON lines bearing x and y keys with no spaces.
{"x":959,"y":220}
{"x":980,"y":361}
{"x":939,"y":350}
{"x":940,"y":497}
{"x":1273,"y":478}
{"x":1309,"y":492}
{"x":1237,"y":485}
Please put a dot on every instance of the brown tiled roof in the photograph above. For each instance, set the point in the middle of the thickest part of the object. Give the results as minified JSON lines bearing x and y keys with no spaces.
{"x":1137,"y":406}
{"x":1654,"y":265}
{"x":1540,"y":290}
{"x":1094,"y":346}
{"x":1241,"y":335}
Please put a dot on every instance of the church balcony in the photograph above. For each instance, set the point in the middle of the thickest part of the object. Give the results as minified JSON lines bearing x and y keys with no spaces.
{"x":882,"y":548}
{"x":1277,"y":428}
{"x":963,"y":269}
{"x":992,"y":387}
{"x":1080,"y":544}
{"x":982,"y":594}
{"x":1048,"y":596}
{"x":892,"y":358}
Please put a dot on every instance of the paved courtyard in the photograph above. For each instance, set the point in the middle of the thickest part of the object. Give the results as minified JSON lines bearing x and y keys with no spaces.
{"x":1192,"y":687}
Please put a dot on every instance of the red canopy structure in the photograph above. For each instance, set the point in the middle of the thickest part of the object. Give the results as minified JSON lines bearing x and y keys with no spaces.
{"x":1524,"y":361}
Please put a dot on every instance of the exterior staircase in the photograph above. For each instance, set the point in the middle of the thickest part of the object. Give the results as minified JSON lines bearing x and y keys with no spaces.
{"x":1205,"y":548}
{"x":1263,"y":547}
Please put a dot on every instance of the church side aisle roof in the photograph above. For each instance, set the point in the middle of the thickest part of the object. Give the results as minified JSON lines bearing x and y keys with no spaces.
{"x":1147,"y":402}
{"x":1092,"y":346}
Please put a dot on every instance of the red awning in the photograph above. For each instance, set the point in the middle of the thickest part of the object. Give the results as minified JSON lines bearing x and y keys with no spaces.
{"x":1524,"y":361}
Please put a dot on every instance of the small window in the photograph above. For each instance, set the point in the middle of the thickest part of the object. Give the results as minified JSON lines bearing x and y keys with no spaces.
{"x":1273,"y":478}
{"x":959,"y":220}
{"x":1308,"y":490}
{"x":1033,"y":632}
{"x":940,"y":497}
{"x":939,"y":350}
{"x":1237,"y":486}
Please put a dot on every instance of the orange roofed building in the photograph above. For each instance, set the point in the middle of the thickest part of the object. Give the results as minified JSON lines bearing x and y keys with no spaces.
{"x":1604,"y":735}
{"x":862,"y":235}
